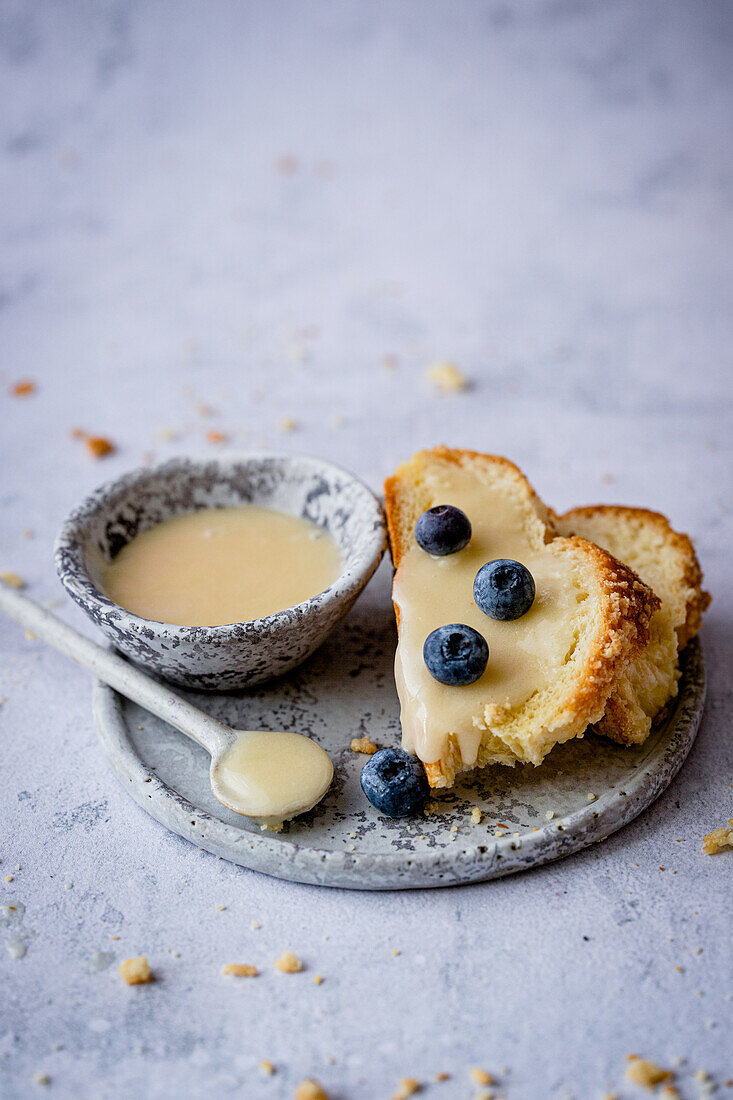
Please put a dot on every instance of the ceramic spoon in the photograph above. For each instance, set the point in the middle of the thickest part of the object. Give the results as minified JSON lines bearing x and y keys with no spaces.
{"x":270,"y":777}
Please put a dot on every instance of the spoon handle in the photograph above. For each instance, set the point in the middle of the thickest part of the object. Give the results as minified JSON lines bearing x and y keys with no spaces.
{"x":118,"y":673}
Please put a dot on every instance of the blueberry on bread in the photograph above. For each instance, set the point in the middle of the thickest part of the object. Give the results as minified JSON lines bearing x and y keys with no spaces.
{"x":504,"y":589}
{"x":666,"y":561}
{"x":443,"y":530}
{"x":455,"y":654}
{"x":553,"y":669}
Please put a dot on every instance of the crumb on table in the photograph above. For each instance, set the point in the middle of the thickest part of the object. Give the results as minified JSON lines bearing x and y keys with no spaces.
{"x":286,"y":165}
{"x":216,"y":437}
{"x":481,"y":1077}
{"x":136,"y":971}
{"x":476,"y":815}
{"x":310,"y":1090}
{"x":446,"y":377}
{"x":239,"y":970}
{"x":24,"y":388}
{"x":719,"y":839}
{"x":288,"y":963}
{"x":98,"y":446}
{"x":645,"y":1073}
{"x":267,"y":1068}
{"x":13,"y":580}
{"x":408,"y":1087}
{"x":363,"y":744}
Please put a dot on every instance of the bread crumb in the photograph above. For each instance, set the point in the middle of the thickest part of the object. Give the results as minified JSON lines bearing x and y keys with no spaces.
{"x":8,"y":878}
{"x":41,"y":1079}
{"x":286,"y":165}
{"x":549,"y":814}
{"x":395,"y":952}
{"x":310,"y":1090}
{"x":481,"y":1077}
{"x":408,"y":1087}
{"x":254,"y":925}
{"x":719,"y":839}
{"x":220,"y":908}
{"x":476,"y":815}
{"x":287,"y":424}
{"x":167,"y":435}
{"x":13,"y":580}
{"x":363,"y":744}
{"x":442,"y":1077}
{"x":98,"y":446}
{"x":590,"y":797}
{"x":446,"y":377}
{"x":136,"y":971}
{"x":23,"y":389}
{"x":645,"y":1073}
{"x":297,"y":351}
{"x":216,"y":437}
{"x":239,"y":970}
{"x":267,"y":1068}
{"x":288,"y":963}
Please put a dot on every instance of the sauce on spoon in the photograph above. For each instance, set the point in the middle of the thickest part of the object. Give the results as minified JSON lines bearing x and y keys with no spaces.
{"x":271,"y":777}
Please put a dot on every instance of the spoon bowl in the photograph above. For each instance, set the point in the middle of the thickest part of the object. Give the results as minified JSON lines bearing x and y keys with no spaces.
{"x":270,"y":777}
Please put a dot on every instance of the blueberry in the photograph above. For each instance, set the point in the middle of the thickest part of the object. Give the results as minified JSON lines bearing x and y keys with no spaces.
{"x":455,"y":654}
{"x":504,"y":589}
{"x":443,"y":530}
{"x":395,"y":782}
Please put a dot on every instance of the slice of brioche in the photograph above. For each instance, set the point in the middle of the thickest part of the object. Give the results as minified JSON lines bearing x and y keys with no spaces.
{"x":596,"y":609}
{"x":666,"y":561}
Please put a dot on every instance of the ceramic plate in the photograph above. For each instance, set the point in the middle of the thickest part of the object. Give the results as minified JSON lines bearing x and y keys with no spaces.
{"x":347,"y":690}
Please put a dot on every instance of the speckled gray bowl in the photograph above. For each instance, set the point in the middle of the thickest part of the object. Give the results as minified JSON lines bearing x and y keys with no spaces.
{"x":222,"y":658}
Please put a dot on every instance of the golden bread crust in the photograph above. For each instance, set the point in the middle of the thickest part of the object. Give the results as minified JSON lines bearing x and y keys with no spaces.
{"x":665,"y":559}
{"x":616,"y":628}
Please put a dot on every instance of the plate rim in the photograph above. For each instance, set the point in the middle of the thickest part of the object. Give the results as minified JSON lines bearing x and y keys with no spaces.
{"x":461,"y":864}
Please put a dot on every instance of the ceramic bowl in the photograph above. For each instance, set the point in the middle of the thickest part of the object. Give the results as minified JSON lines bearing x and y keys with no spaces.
{"x":222,"y":658}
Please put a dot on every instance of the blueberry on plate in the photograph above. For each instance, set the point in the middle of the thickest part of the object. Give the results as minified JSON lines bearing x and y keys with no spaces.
{"x":504,"y":589}
{"x":455,"y":654}
{"x":443,"y":530}
{"x":395,"y":782}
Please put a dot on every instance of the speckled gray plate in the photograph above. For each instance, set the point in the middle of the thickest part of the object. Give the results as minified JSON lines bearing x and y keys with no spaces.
{"x":347,"y":690}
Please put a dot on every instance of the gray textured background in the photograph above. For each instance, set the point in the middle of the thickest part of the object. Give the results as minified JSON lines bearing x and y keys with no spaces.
{"x":540,"y":192}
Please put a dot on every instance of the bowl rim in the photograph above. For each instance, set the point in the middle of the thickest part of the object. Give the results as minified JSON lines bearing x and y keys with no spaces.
{"x":69,"y":548}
